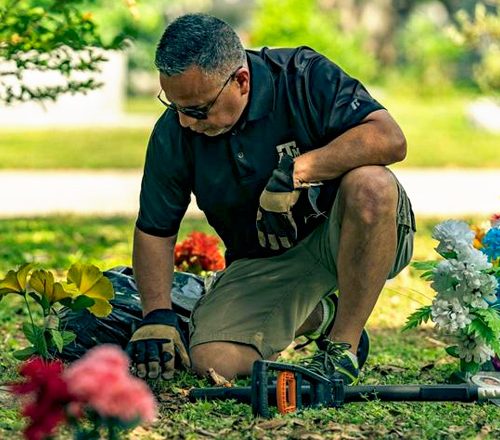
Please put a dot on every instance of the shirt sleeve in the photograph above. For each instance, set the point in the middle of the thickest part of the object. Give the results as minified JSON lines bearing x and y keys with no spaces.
{"x":166,"y":188}
{"x":339,"y":101}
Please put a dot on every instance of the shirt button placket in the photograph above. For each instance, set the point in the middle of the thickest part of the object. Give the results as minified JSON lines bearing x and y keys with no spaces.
{"x":238,"y":155}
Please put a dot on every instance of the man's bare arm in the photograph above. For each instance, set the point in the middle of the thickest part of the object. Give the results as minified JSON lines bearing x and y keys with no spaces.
{"x":153,"y":263}
{"x":378,"y":140}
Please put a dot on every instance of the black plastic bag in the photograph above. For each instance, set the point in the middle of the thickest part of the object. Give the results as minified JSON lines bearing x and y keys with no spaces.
{"x":118,"y":326}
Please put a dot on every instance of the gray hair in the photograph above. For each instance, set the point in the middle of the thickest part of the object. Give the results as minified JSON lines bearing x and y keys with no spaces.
{"x":199,"y":40}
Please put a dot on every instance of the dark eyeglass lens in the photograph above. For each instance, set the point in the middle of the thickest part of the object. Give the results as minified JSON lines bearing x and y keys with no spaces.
{"x":194,"y":113}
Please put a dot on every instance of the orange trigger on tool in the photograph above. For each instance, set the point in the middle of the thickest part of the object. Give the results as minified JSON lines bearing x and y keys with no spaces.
{"x":286,"y":396}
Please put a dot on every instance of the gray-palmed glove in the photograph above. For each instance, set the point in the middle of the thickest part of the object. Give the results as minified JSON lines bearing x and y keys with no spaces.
{"x":155,"y":344}
{"x":276,"y":227}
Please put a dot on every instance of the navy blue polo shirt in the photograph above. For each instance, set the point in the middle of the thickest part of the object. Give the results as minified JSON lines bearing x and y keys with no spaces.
{"x":299,"y":100}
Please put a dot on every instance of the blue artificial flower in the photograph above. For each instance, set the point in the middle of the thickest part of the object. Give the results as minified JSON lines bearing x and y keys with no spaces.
{"x":491,"y":244}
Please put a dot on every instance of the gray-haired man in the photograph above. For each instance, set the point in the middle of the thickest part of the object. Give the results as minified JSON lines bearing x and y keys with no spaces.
{"x":286,"y":156}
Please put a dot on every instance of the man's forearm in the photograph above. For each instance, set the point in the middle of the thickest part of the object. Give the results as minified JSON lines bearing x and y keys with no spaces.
{"x":377,"y":141}
{"x":153,"y":270}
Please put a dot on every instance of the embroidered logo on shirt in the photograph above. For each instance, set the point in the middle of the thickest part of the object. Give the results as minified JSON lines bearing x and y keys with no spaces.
{"x":290,"y":148}
{"x":355,"y":104}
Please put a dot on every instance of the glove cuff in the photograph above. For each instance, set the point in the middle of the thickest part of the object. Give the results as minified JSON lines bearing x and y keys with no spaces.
{"x":286,"y":163}
{"x":161,"y":316}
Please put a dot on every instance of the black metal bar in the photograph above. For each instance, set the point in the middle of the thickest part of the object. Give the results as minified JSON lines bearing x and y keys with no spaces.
{"x":458,"y":393}
{"x":443,"y":393}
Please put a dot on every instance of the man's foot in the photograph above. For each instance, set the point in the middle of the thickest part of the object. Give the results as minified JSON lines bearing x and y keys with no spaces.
{"x":320,"y":335}
{"x":362,"y":351}
{"x":335,"y":361}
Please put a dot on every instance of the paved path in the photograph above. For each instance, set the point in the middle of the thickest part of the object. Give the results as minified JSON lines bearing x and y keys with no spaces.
{"x":433,"y":192}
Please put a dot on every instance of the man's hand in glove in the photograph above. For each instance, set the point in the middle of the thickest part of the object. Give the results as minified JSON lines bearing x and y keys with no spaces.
{"x":155,"y":343}
{"x":275,"y":225}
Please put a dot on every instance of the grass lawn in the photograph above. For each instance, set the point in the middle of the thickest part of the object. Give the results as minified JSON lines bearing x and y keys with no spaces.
{"x":396,"y":358}
{"x":437,"y":131}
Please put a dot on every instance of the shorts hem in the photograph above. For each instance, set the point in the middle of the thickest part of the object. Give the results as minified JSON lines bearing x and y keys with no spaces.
{"x":265,"y":350}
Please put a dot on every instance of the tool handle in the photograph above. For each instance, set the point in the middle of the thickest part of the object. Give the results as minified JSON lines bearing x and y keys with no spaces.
{"x":260,"y":396}
{"x":241,"y":394}
{"x":443,"y":393}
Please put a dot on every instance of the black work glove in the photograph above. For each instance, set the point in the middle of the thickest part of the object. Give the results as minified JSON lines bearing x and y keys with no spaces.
{"x":154,"y":344}
{"x":275,"y":225}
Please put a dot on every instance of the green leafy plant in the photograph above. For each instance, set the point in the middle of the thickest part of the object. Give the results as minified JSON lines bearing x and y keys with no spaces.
{"x":85,"y":288}
{"x":51,"y":35}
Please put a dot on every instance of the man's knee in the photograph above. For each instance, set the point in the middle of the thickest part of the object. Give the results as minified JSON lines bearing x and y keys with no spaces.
{"x":226,"y":358}
{"x":370,"y":193}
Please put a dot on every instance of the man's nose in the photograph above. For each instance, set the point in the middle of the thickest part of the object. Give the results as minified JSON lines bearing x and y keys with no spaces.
{"x":186,"y":121}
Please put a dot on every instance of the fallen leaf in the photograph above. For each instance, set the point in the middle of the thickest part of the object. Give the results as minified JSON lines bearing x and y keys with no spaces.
{"x":272,"y":424}
{"x":205,"y":433}
{"x":182,"y":391}
{"x":140,"y":433}
{"x":455,"y":428}
{"x":311,"y":436}
{"x":398,"y":432}
{"x":435,"y":342}
{"x":484,"y":433}
{"x":333,"y":426}
{"x":218,"y":379}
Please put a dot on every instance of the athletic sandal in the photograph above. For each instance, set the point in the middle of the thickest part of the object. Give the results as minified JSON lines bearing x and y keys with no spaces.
{"x":320,"y":335}
{"x":334,"y":362}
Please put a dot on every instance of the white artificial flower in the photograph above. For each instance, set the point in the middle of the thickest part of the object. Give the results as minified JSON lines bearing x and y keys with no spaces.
{"x":472,"y":349}
{"x":444,"y":278}
{"x":477,"y":289}
{"x":453,"y":235}
{"x":474,"y":300}
{"x":450,"y":315}
{"x":489,"y":287}
{"x":474,"y":258}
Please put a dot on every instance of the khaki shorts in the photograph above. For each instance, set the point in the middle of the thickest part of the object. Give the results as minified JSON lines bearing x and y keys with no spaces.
{"x":262,"y":302}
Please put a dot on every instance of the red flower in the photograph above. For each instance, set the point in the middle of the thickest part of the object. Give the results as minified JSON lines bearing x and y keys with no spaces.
{"x":198,"y":252}
{"x":47,"y":396}
{"x":495,"y":220}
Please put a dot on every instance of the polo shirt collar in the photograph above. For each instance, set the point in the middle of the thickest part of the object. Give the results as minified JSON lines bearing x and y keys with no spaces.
{"x":261,"y":101}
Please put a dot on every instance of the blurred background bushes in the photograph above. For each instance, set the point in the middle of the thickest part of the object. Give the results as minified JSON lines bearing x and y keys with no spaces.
{"x":431,"y":46}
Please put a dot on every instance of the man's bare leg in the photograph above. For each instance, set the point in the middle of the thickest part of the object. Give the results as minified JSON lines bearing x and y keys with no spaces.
{"x":228,"y":359}
{"x":367,"y":248}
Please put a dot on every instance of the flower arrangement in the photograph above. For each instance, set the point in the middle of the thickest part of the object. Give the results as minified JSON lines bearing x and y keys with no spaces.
{"x":85,"y":288}
{"x":96,"y":396}
{"x":198,"y":253}
{"x":466,"y":307}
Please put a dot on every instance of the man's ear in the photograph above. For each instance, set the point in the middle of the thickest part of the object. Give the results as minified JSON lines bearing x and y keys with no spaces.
{"x":242,"y":77}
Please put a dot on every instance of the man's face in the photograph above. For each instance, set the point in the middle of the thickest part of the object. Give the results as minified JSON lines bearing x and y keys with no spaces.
{"x":193,"y":89}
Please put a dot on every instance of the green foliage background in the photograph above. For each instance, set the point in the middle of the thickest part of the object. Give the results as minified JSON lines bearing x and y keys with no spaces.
{"x":50,"y":35}
{"x":289,"y":23}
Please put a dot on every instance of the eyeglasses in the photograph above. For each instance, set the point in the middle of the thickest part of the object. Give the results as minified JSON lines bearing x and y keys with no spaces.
{"x":197,"y":112}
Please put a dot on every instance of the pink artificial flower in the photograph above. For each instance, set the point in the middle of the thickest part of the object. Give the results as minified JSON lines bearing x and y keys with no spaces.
{"x":102,"y":380}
